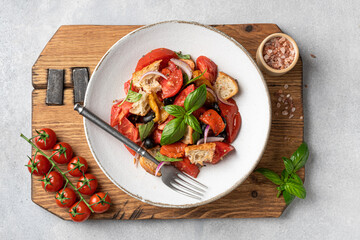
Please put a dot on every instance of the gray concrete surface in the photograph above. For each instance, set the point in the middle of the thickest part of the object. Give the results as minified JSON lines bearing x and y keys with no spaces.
{"x":328,"y":29}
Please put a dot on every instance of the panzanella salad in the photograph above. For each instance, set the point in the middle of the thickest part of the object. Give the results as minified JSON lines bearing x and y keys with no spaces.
{"x":181,"y":111}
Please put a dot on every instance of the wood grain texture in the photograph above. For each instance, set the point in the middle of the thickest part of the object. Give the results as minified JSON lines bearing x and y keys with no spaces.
{"x":83,"y":46}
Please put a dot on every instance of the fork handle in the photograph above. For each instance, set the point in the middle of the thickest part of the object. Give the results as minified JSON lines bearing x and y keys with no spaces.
{"x":112,"y":131}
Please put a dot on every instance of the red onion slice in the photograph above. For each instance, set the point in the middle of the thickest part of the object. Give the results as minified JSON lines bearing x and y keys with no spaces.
{"x":206,"y":133}
{"x":210,"y":139}
{"x":184,"y":66}
{"x":212,"y":92}
{"x":159,"y":166}
{"x":223,"y":100}
{"x":153,"y":72}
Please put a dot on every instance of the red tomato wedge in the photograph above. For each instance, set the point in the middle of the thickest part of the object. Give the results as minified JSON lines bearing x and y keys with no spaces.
{"x":157,"y":135}
{"x":187,"y":167}
{"x":232,"y":118}
{"x":221,"y":150}
{"x":180,"y":99}
{"x":212,"y":118}
{"x":197,"y":113}
{"x":175,"y":150}
{"x":172,"y":85}
{"x":163,"y":54}
{"x":203,"y":63}
{"x":127,"y":86}
{"x":127,"y":129}
{"x":118,"y":113}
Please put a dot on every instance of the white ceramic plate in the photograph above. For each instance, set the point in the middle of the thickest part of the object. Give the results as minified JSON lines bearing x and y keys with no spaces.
{"x":253,"y":100}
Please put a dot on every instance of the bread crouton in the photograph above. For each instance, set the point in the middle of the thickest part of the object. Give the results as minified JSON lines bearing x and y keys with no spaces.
{"x":142,"y":106}
{"x":188,"y":139}
{"x":150,"y":82}
{"x":198,"y":154}
{"x":147,"y":164}
{"x":225,"y":86}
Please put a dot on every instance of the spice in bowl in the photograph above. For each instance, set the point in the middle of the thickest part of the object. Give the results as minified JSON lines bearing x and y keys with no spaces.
{"x":278,"y":53}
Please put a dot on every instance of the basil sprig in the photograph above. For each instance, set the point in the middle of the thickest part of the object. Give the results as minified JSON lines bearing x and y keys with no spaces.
{"x":183,"y":56}
{"x":131,"y":96}
{"x":145,"y":130}
{"x":163,"y":158}
{"x":176,"y":128}
{"x":289,"y":183}
{"x":188,"y":81}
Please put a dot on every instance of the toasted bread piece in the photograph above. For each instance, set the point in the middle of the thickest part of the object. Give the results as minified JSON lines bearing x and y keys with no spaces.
{"x":225,"y":86}
{"x":188,"y":139}
{"x":142,"y":106}
{"x":148,"y":83}
{"x":198,"y":154}
{"x":148,"y":165}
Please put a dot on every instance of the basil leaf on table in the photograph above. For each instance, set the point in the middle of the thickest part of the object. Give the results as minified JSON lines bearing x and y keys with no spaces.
{"x":300,"y":156}
{"x":289,"y":166}
{"x":296,"y":179}
{"x":175,"y":110}
{"x":195,"y":99}
{"x":288,"y":197}
{"x":295,"y":189}
{"x":271,"y":175}
{"x":163,"y":158}
{"x":194,"y":79}
{"x":145,"y":130}
{"x":193,"y":123}
{"x":173,"y":131}
{"x":183,"y":56}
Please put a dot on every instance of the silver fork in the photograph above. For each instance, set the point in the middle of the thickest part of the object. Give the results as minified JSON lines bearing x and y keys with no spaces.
{"x":172,"y":177}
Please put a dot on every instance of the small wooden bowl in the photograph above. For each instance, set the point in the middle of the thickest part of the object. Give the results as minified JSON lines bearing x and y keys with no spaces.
{"x":266,"y":68}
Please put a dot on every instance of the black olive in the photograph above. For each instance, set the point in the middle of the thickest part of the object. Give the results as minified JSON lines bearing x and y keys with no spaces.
{"x":169,"y":101}
{"x":148,"y":117}
{"x":216,"y":107}
{"x":223,"y":134}
{"x":149,"y":143}
{"x":134,"y":118}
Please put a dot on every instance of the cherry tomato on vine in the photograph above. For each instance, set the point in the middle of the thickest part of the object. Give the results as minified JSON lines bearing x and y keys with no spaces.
{"x":38,"y":165}
{"x":65,"y":198}
{"x":46,"y":138}
{"x":64,"y":153}
{"x":77,"y":166}
{"x":52,"y":182}
{"x":79,"y":212}
{"x":87,"y":184}
{"x":100,"y":202}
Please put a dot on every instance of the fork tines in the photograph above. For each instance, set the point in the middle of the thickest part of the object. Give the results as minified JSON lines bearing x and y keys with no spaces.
{"x":188,"y":186}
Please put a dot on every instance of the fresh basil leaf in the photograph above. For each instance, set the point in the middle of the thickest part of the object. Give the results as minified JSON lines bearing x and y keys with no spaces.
{"x":194,"y":79}
{"x":295,"y":189}
{"x":163,"y":158}
{"x":300,"y":156}
{"x":175,"y":110}
{"x":183,"y":56}
{"x":193,"y":123}
{"x":272,"y":176}
{"x":195,"y":99}
{"x":173,"y":131}
{"x":145,"y":130}
{"x":133,"y":96}
{"x":284,"y":175}
{"x":288,"y":165}
{"x":288,"y":197}
{"x":296,"y":179}
{"x":195,"y":137}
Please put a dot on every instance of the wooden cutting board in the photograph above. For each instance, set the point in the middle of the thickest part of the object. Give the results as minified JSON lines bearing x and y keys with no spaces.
{"x":83,"y":46}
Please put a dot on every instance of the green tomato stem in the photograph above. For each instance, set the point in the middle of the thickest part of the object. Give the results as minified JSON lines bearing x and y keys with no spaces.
{"x":59,"y":170}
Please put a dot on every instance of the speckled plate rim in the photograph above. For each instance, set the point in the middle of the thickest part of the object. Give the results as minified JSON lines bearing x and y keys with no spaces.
{"x":241,"y":180}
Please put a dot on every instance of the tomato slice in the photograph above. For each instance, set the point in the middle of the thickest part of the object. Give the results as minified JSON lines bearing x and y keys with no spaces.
{"x":203,"y":63}
{"x":157,"y":136}
{"x":118,"y":113}
{"x":172,"y":85}
{"x":221,"y":150}
{"x":128,"y":129}
{"x":233,"y":119}
{"x":163,"y":54}
{"x":175,"y":150}
{"x":187,"y":167}
{"x":180,"y":99}
{"x":127,"y":85}
{"x":197,"y":113}
{"x":212,"y":118}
